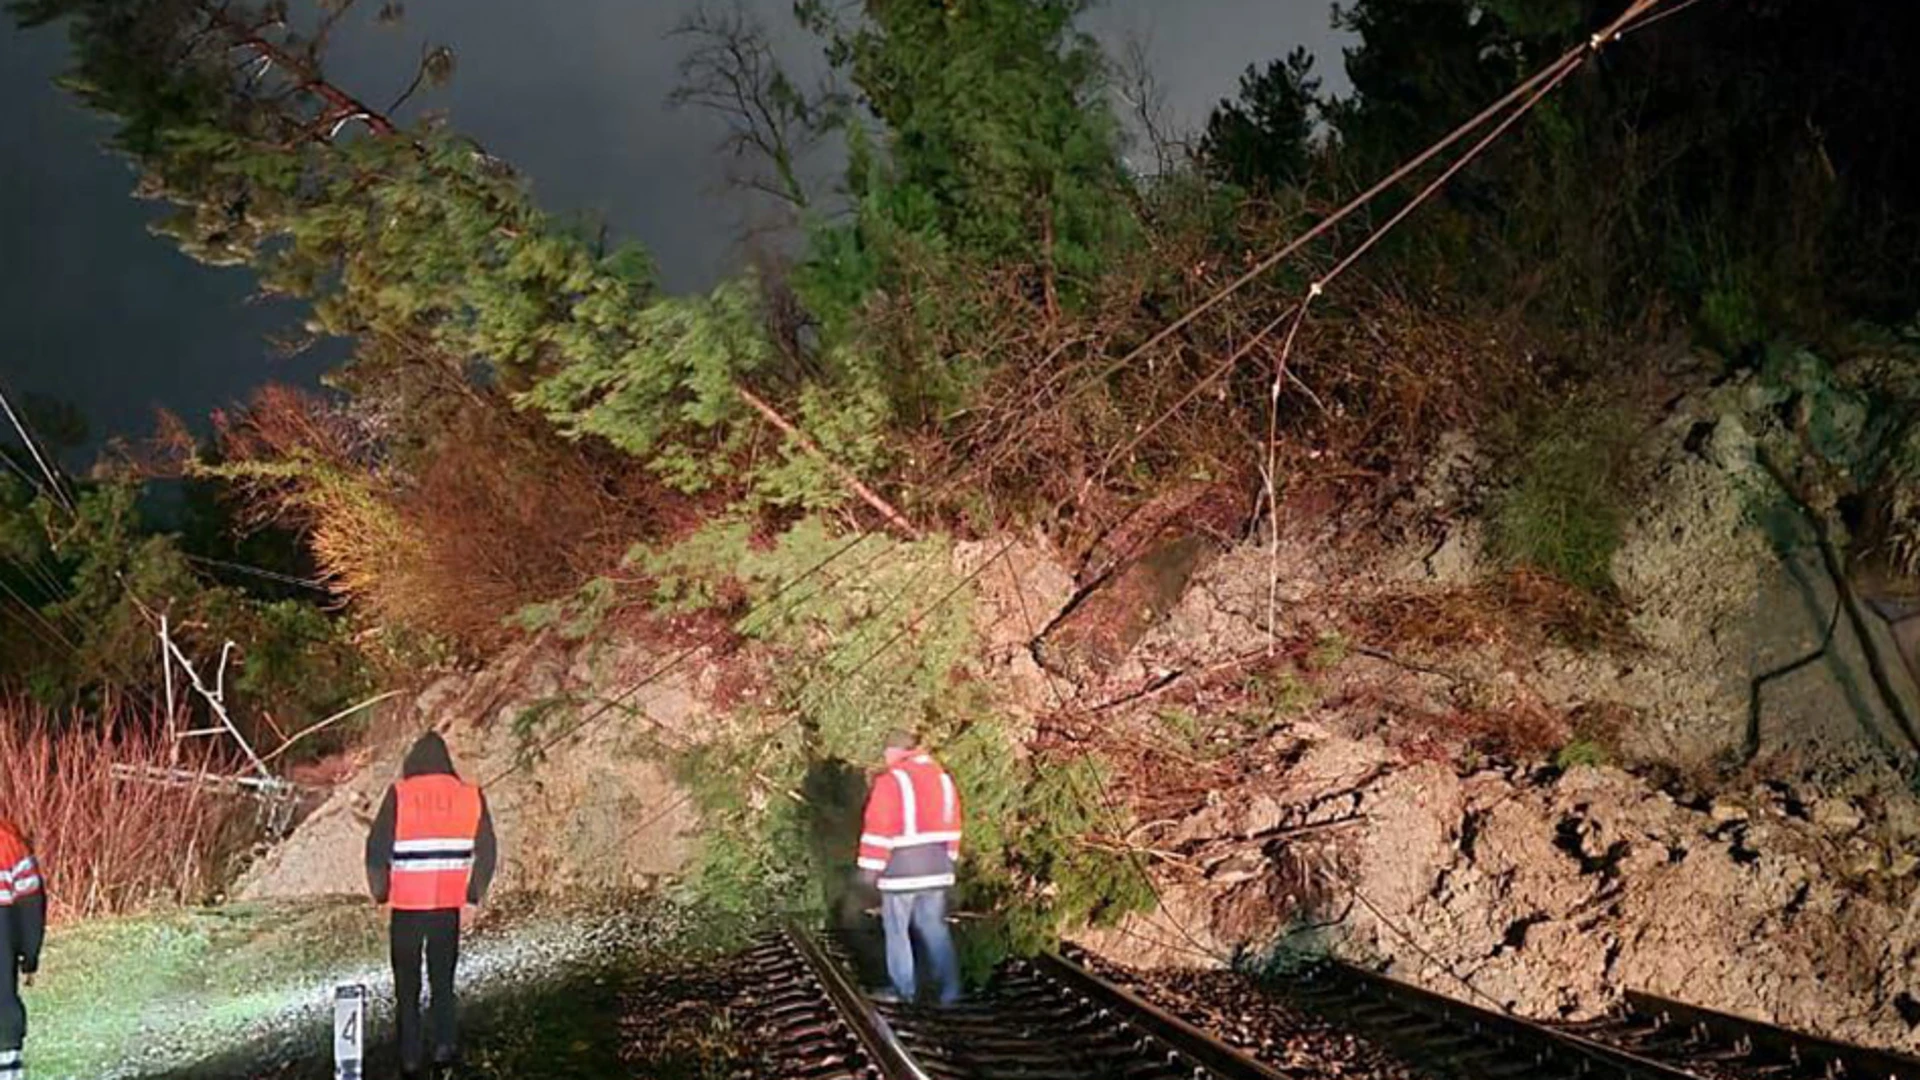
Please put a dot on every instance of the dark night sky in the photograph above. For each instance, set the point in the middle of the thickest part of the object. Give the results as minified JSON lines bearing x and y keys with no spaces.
{"x":98,"y":312}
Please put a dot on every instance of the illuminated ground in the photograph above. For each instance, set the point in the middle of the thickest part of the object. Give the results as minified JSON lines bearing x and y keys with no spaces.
{"x":246,"y":990}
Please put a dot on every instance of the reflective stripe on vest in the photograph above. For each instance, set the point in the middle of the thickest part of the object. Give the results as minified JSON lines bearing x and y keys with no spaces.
{"x":19,"y":872}
{"x":435,"y":820}
{"x":919,"y":852}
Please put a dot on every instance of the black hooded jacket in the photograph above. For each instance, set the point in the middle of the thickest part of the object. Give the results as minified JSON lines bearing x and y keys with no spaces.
{"x":427,"y":757}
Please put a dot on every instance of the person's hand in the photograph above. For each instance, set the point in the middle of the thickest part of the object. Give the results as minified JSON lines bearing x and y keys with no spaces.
{"x":468,"y":913}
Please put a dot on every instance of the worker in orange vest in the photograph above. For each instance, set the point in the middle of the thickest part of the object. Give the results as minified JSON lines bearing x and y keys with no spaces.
{"x":23,"y":923}
{"x":909,"y":842}
{"x":430,"y":856}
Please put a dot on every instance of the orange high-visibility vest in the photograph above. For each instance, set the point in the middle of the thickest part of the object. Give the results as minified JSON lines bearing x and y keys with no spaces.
{"x":436,"y":818}
{"x":911,"y":829}
{"x":19,"y":872}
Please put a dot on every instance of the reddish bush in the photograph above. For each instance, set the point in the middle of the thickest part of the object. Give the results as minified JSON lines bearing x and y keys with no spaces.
{"x":449,"y":530}
{"x":109,"y":844}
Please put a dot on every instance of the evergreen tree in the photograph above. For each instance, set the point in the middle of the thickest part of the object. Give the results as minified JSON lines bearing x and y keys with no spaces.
{"x":999,"y":143}
{"x":1263,"y":139}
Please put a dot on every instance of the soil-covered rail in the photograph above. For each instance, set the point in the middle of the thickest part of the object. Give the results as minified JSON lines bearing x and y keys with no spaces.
{"x":1649,"y":1039}
{"x":1052,"y":1018}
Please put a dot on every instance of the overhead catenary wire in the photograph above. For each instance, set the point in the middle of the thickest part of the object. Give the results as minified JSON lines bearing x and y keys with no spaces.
{"x":1527,"y":96}
{"x":38,"y":616}
{"x":33,"y":448}
{"x":1103,"y":794}
{"x":1529,"y":93}
{"x":261,"y":572}
{"x":33,"y":482}
{"x":253,"y":41}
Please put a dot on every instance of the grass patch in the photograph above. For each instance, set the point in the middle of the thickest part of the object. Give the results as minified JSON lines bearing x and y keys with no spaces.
{"x":1329,"y":651}
{"x":108,"y":989}
{"x":1566,"y":508}
{"x":1581,"y":752}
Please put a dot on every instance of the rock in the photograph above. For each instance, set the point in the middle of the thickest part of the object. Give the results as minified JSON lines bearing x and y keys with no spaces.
{"x":1245,"y":866}
{"x":1731,"y":445}
{"x":1100,"y":630}
{"x":1837,"y":816}
{"x":1724,"y":811}
{"x":1868,"y":863}
{"x":1456,"y":561}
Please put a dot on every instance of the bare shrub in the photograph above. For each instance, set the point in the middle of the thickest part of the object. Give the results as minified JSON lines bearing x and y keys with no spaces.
{"x":450,"y":537}
{"x":110,"y":845}
{"x":1519,"y":610}
{"x":1519,"y":730}
{"x":1370,"y":383}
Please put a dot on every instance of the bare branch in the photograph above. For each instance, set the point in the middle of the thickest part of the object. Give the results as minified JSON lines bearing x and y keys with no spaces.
{"x":1139,"y":89}
{"x":731,"y":70}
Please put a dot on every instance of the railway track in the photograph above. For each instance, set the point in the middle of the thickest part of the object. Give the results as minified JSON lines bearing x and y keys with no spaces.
{"x":1044,"y":1019}
{"x":1649,"y":1039}
{"x":1051,"y":1018}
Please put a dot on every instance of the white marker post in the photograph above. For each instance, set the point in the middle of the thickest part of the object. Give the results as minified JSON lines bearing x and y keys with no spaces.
{"x":349,"y":1032}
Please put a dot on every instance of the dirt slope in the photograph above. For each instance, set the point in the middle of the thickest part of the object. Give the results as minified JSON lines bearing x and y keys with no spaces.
{"x":598,"y":809}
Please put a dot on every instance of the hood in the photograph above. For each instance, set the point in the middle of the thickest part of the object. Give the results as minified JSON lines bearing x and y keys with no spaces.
{"x":428,"y":756}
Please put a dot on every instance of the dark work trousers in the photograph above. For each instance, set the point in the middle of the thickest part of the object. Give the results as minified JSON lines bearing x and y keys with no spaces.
{"x":437,"y":935}
{"x":13,"y":1022}
{"x":13,"y":1014}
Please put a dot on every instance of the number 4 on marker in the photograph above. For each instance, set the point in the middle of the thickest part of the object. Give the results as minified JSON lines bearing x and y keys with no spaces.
{"x":349,"y":1020}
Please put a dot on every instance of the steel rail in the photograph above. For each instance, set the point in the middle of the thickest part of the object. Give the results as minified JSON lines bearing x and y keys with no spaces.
{"x":1588,"y":1052}
{"x":1817,"y":1056}
{"x":1196,"y":1045}
{"x":885,"y":1056}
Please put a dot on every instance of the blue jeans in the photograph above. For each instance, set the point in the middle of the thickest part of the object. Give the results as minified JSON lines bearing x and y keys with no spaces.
{"x":922,"y":913}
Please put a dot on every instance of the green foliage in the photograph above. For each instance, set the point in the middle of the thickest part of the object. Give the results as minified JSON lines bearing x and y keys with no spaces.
{"x":1263,"y":140}
{"x":529,"y":723}
{"x":1000,"y":143}
{"x":1582,"y":752}
{"x":701,"y":344}
{"x":85,"y":591}
{"x":431,"y":255}
{"x":1566,"y":509}
{"x":1729,"y":317}
{"x":1330,"y":650}
{"x":1421,"y":67}
{"x":1183,"y":725}
{"x":883,"y":639}
{"x":1058,"y":867}
{"x":1280,"y":695}
{"x":573,"y":618}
